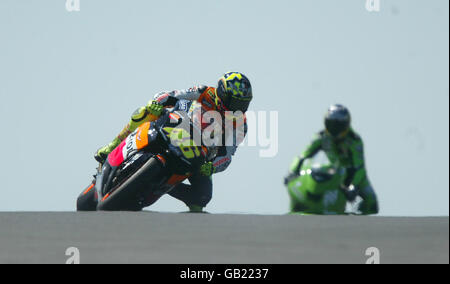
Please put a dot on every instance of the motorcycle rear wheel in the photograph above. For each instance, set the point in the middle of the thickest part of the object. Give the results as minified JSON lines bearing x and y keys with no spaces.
{"x":87,"y":199}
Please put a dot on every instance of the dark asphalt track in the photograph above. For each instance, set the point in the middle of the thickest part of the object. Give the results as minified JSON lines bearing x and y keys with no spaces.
{"x":149,"y":237}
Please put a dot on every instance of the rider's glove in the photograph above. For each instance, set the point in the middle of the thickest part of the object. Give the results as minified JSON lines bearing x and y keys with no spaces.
{"x":207,"y":169}
{"x":103,"y":152}
{"x":290,"y":177}
{"x":155,"y":108}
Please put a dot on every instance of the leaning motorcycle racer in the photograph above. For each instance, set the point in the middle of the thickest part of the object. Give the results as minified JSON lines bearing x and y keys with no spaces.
{"x":343,"y":146}
{"x":233,"y":93}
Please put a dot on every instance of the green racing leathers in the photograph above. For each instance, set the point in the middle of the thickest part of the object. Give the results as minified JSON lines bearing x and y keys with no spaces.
{"x":347,"y":153}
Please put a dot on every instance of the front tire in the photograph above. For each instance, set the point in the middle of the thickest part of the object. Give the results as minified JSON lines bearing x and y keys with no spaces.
{"x":123,"y":198}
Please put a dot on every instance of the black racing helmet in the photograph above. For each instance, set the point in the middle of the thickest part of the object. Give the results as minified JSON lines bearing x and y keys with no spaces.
{"x":235,"y":91}
{"x":337,"y":121}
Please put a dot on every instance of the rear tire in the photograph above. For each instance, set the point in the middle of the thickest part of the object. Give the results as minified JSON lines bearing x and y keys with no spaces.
{"x":87,"y":201}
{"x":123,"y":198}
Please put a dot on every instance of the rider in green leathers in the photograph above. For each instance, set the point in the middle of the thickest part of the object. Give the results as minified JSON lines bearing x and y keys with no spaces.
{"x":343,"y":147}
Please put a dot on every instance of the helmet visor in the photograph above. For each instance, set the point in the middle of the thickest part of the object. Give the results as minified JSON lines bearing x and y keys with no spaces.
{"x":238,"y":104}
{"x":337,"y":128}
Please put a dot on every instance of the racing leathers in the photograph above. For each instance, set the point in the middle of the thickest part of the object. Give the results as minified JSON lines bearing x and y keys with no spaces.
{"x":347,"y":153}
{"x":198,"y":194}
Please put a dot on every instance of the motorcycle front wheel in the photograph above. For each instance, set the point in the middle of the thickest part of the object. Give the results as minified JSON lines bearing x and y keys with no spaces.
{"x":123,"y":198}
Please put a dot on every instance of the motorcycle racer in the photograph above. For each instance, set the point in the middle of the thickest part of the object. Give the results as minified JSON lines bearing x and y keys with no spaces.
{"x":343,"y":146}
{"x":232,"y":94}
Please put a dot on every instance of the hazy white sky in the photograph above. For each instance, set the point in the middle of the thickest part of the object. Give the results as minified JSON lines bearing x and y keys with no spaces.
{"x":69,"y":82}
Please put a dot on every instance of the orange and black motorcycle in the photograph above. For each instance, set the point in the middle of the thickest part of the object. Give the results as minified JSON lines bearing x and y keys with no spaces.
{"x":150,"y":162}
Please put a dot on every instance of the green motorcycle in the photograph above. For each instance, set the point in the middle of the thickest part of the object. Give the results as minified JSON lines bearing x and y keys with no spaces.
{"x":318,"y":190}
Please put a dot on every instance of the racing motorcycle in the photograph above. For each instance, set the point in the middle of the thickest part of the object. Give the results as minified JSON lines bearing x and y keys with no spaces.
{"x":317,"y":190}
{"x":150,"y":162}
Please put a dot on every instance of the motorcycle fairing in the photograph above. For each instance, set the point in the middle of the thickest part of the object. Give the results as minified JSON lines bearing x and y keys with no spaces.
{"x":133,"y":143}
